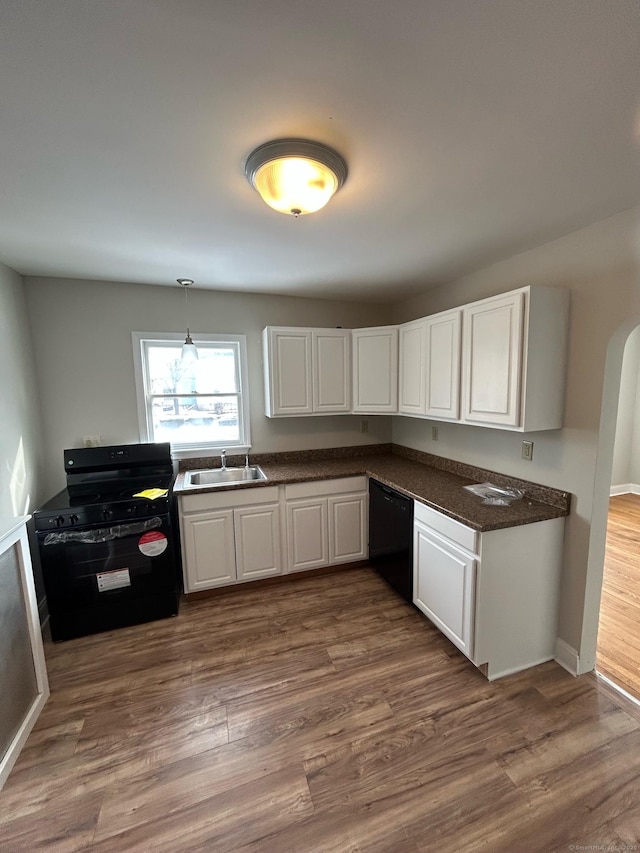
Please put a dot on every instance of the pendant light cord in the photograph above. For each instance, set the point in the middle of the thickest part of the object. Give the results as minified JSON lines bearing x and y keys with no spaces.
{"x":189,"y":348}
{"x":186,"y":309}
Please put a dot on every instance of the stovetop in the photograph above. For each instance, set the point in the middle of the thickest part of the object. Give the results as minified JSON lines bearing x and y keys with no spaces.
{"x":65,"y":510}
{"x":102,"y":482}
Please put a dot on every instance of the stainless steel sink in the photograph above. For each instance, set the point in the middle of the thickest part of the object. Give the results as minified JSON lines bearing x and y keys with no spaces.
{"x":223,"y":476}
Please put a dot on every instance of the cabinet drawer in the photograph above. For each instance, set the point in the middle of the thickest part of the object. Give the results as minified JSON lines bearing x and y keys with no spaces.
{"x":454,"y":530}
{"x":325,"y":487}
{"x":228,"y":498}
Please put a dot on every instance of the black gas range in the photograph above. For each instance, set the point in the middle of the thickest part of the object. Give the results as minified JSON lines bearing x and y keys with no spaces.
{"x":109,"y":556}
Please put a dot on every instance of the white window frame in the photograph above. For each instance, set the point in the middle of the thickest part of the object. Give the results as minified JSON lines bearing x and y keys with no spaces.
{"x":184,"y":450}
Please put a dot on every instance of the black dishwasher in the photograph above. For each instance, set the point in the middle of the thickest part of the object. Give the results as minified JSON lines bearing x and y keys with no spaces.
{"x":391,"y":537}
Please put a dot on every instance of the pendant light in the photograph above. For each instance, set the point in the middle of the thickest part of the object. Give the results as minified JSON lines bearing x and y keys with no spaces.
{"x":295,"y":176}
{"x":189,"y":351}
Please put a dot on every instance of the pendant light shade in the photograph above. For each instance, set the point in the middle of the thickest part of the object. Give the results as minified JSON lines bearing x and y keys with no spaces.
{"x":295,"y":176}
{"x":189,"y":350}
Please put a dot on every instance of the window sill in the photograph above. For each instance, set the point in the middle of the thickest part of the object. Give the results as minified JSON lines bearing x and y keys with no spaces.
{"x":209,"y":450}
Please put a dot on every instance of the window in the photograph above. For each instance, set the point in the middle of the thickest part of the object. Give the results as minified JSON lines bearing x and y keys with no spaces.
{"x":198,"y":405}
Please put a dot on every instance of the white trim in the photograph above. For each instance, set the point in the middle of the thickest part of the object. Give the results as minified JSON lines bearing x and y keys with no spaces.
{"x":625,"y":489}
{"x":17,"y":535}
{"x":567,"y":657}
{"x":617,"y":688}
{"x":512,"y":670}
{"x":190,"y":451}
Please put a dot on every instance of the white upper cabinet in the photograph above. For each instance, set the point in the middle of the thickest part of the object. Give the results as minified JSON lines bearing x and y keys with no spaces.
{"x":442,"y":354}
{"x":412,"y":384}
{"x":307,"y":371}
{"x":514,"y":359}
{"x":375,"y":370}
{"x":498,"y":362}
{"x":493,"y":360}
{"x":331,"y":361}
{"x":430,"y":367}
{"x":287,"y":361}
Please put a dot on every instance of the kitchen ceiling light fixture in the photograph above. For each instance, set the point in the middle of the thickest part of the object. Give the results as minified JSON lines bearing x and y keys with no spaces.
{"x":189,"y":351}
{"x":295,"y":176}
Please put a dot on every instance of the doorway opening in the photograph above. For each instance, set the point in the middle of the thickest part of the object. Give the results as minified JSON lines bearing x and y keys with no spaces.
{"x":618,"y":636}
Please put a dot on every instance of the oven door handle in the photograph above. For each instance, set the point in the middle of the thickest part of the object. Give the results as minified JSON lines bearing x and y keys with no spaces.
{"x":103,"y":534}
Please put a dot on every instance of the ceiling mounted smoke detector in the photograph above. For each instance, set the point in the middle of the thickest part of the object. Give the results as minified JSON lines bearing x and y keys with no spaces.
{"x":295,"y":176}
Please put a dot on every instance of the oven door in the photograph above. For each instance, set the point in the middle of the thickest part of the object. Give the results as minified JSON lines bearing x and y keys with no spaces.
{"x":104,"y":576}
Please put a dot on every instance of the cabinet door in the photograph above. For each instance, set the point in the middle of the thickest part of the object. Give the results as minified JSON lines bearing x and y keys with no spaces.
{"x":257,"y":534}
{"x":347,"y":528}
{"x":375,"y":370}
{"x":307,"y":534}
{"x":209,"y":551}
{"x":444,"y":586}
{"x":331,"y":370}
{"x":492,"y":355}
{"x":288,"y":372}
{"x":412,"y":369}
{"x":442,"y":355}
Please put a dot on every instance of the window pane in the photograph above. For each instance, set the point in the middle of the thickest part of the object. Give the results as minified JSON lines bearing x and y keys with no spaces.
{"x":213,"y":372}
{"x":196,"y":420}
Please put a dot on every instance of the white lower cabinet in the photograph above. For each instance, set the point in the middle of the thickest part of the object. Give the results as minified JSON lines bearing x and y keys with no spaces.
{"x":307,"y":540}
{"x":237,"y":536}
{"x":208,"y":547}
{"x":326,"y":523}
{"x":257,"y":535}
{"x":444,"y":586}
{"x":230,"y":537}
{"x":348,"y":527}
{"x":494,"y":594}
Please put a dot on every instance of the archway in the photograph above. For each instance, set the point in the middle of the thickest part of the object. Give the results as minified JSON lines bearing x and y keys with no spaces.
{"x":602,"y":485}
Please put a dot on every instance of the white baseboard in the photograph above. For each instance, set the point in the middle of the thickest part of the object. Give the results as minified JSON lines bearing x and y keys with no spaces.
{"x":567,"y":657}
{"x":625,"y":489}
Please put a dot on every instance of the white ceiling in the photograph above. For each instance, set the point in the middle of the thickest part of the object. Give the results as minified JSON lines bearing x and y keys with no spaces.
{"x":473,"y":129}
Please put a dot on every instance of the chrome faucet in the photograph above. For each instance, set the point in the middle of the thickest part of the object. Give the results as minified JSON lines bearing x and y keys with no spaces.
{"x":223,"y":460}
{"x":246,"y":460}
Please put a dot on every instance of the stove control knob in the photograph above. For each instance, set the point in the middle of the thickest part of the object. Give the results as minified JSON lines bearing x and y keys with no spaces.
{"x":107,"y":514}
{"x":60,"y":521}
{"x":73,"y":519}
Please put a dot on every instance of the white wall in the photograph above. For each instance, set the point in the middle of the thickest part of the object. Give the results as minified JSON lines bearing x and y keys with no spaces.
{"x":82,"y":337}
{"x":626,"y":451}
{"x":20,"y":430}
{"x":599,"y":265}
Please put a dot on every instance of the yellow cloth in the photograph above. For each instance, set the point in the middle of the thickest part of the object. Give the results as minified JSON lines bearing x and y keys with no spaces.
{"x":152,"y":494}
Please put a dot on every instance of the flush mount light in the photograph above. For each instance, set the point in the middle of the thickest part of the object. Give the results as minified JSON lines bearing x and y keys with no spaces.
{"x":189,"y":351}
{"x":295,"y":176}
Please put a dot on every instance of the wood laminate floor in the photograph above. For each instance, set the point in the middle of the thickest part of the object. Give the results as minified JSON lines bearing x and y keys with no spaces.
{"x":618,"y":654}
{"x":324,"y":715}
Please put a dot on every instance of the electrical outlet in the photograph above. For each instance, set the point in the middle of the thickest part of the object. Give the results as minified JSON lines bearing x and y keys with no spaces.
{"x":92,"y":440}
{"x":364,"y":425}
{"x":527,"y":450}
{"x":434,"y":433}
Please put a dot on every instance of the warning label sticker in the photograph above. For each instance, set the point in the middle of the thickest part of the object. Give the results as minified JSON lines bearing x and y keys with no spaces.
{"x":153,"y":543}
{"x":115,"y":579}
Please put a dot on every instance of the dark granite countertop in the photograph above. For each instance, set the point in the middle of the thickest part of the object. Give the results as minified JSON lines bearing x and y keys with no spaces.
{"x":420,"y":476}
